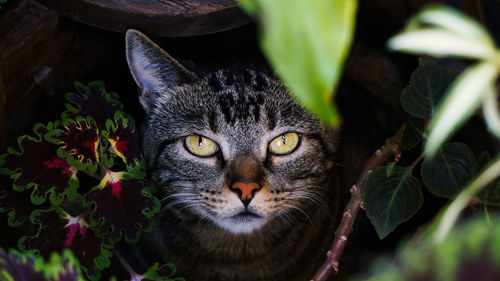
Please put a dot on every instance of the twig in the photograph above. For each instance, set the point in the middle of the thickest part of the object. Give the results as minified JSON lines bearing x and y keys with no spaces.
{"x":133,"y":275}
{"x":92,"y":175}
{"x":391,"y":149}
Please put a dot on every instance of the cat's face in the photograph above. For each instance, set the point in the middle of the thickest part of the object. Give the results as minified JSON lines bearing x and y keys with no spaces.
{"x":230,"y":146}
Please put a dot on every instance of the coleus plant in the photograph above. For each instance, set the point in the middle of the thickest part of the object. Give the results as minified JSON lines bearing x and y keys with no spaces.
{"x":80,"y":183}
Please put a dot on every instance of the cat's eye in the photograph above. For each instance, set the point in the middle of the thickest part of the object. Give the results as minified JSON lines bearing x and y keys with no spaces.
{"x":284,"y":144}
{"x":201,"y":146}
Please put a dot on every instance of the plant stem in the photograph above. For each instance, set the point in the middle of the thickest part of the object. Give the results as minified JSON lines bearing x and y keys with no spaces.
{"x":391,"y":149}
{"x":133,"y":275}
{"x":416,"y":161}
{"x":93,"y":175}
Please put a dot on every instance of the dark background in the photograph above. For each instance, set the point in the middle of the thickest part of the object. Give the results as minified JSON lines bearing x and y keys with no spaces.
{"x":368,"y":96}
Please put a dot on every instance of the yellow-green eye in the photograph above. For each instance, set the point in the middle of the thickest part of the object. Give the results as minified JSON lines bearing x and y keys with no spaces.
{"x":284,"y":144}
{"x":201,"y":146}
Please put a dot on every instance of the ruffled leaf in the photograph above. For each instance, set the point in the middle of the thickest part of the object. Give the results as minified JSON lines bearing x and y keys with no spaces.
{"x":59,"y":230}
{"x":26,"y":267}
{"x":123,"y":139}
{"x":14,"y":203}
{"x":92,"y":101}
{"x":36,"y":166}
{"x":80,"y":143}
{"x":122,"y":206}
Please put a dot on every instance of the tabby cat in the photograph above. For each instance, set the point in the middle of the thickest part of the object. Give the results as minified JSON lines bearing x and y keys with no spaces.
{"x":245,"y":173}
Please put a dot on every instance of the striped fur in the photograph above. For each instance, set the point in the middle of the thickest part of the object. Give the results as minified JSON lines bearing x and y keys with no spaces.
{"x":242,"y":108}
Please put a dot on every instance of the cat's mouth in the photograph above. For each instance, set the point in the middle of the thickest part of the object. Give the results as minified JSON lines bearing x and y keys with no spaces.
{"x":246,"y":216}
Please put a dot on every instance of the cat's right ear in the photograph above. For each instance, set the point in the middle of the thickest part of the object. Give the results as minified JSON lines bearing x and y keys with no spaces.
{"x":153,"y":69}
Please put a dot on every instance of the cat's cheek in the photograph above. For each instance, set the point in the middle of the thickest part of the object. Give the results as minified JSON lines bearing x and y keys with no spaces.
{"x":261,"y":205}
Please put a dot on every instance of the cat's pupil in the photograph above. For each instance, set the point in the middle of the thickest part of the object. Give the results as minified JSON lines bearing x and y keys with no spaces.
{"x":200,"y":141}
{"x":283,"y":139}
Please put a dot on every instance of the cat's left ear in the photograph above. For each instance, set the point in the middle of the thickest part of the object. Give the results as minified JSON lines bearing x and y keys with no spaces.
{"x":153,"y":69}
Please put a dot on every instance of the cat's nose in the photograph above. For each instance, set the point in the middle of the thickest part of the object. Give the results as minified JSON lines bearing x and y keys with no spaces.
{"x":245,"y":190}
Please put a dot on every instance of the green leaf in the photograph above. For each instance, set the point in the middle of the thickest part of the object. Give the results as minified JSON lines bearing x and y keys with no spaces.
{"x":470,"y":252}
{"x":166,"y":272}
{"x":453,"y":20}
{"x":483,"y":159}
{"x":306,"y":42}
{"x":491,"y":112}
{"x":442,"y":31}
{"x":490,"y":195}
{"x":449,"y":170}
{"x":451,"y":213}
{"x":389,"y":201}
{"x":464,"y":96}
{"x":413,"y":134}
{"x":390,"y":168}
{"x":17,"y":266}
{"x":427,"y":85}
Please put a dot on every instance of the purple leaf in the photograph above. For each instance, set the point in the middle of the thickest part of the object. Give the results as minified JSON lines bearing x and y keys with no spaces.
{"x":26,"y":267}
{"x":80,"y":141}
{"x":123,"y":139}
{"x":92,"y":101}
{"x":36,"y":166}
{"x":123,"y":206}
{"x":59,"y":230}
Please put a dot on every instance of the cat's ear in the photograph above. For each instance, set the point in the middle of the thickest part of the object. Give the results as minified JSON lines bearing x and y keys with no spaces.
{"x":153,"y":69}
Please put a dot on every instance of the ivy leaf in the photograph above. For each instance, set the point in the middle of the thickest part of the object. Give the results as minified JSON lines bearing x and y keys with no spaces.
{"x":427,"y":85}
{"x":122,"y":206}
{"x":92,"y":101}
{"x":413,"y":134}
{"x":449,"y":170}
{"x":80,"y":143}
{"x":482,"y":161}
{"x":389,"y":201}
{"x":16,"y":266}
{"x":306,"y":42}
{"x":166,"y":272}
{"x":59,"y":230}
{"x":490,"y":194}
{"x":462,"y":99}
{"x":36,"y":166}
{"x":123,"y":139}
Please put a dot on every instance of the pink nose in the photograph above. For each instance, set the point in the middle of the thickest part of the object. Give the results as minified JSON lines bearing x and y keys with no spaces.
{"x":245,"y":190}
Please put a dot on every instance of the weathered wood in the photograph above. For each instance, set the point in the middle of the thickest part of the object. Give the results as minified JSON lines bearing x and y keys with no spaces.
{"x":171,"y":18}
{"x":30,"y":49}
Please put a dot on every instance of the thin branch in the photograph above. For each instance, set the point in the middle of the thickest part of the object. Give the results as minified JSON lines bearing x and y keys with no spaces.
{"x":92,"y":175}
{"x":391,"y":149}
{"x":133,"y":275}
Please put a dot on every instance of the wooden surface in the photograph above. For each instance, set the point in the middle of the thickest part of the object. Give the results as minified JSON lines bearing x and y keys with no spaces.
{"x":171,"y":18}
{"x":31,"y":45}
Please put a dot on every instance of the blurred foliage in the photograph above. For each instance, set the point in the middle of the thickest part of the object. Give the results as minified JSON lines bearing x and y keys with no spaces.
{"x":442,"y":31}
{"x":307,"y":42}
{"x":470,"y":252}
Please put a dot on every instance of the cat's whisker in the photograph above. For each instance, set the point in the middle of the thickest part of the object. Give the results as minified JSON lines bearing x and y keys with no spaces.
{"x":284,"y":217}
{"x":311,"y":195}
{"x":179,"y":195}
{"x":302,"y":212}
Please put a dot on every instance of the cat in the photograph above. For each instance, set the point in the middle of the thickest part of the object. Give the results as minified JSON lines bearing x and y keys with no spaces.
{"x":245,"y":173}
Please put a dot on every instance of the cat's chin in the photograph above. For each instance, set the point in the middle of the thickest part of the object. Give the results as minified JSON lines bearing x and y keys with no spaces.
{"x":242,"y":223}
